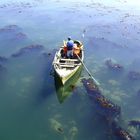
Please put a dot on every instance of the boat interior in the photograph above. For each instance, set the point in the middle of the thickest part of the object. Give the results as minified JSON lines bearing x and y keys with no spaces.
{"x":65,"y":62}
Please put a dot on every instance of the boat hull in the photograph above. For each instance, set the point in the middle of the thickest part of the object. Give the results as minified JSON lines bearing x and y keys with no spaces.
{"x":69,"y":78}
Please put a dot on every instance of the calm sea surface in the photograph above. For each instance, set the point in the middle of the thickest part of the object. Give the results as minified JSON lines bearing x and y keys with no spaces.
{"x":31,"y":32}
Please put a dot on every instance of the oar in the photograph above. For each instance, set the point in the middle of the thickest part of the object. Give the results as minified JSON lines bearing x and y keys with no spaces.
{"x":96,"y":82}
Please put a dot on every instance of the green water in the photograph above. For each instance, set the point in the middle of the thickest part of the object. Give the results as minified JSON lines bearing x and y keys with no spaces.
{"x":29,"y":107}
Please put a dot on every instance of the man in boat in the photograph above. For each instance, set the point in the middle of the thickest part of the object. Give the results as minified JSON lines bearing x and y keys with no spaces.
{"x":70,"y":44}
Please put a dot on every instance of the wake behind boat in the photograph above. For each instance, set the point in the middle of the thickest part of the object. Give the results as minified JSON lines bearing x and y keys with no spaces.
{"x":66,"y":68}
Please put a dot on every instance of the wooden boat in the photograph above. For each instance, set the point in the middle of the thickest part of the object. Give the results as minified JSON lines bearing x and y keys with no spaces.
{"x":66,"y":68}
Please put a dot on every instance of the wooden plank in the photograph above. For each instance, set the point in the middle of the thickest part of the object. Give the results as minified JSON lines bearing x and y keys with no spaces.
{"x":67,"y":66}
{"x":69,"y":60}
{"x":70,"y":66}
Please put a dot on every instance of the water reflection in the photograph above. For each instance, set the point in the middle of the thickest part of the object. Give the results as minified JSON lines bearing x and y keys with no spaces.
{"x":64,"y":91}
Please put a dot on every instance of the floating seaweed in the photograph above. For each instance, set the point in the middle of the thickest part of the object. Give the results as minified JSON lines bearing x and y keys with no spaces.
{"x":56,"y":126}
{"x":134,"y":123}
{"x":120,"y":133}
{"x":18,"y":5}
{"x":73,"y":132}
{"x":20,"y":35}
{"x":9,"y":28}
{"x":28,"y":49}
{"x":91,"y":87}
{"x":113,"y":65}
{"x":134,"y":75}
{"x":12,"y":33}
{"x":107,"y":108}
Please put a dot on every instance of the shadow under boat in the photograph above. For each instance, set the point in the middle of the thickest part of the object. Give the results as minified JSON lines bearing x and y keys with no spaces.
{"x":64,"y":91}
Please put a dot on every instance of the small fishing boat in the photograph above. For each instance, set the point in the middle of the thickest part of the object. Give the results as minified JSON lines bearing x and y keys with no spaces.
{"x":66,"y":68}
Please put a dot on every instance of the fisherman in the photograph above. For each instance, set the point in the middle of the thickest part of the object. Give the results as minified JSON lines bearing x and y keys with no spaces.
{"x":70,"y":44}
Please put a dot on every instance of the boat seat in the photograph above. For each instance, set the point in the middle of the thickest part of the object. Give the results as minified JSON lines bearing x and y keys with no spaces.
{"x":72,"y":60}
{"x":67,"y":66}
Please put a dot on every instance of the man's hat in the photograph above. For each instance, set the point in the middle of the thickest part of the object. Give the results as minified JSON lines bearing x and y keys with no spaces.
{"x":69,"y":38}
